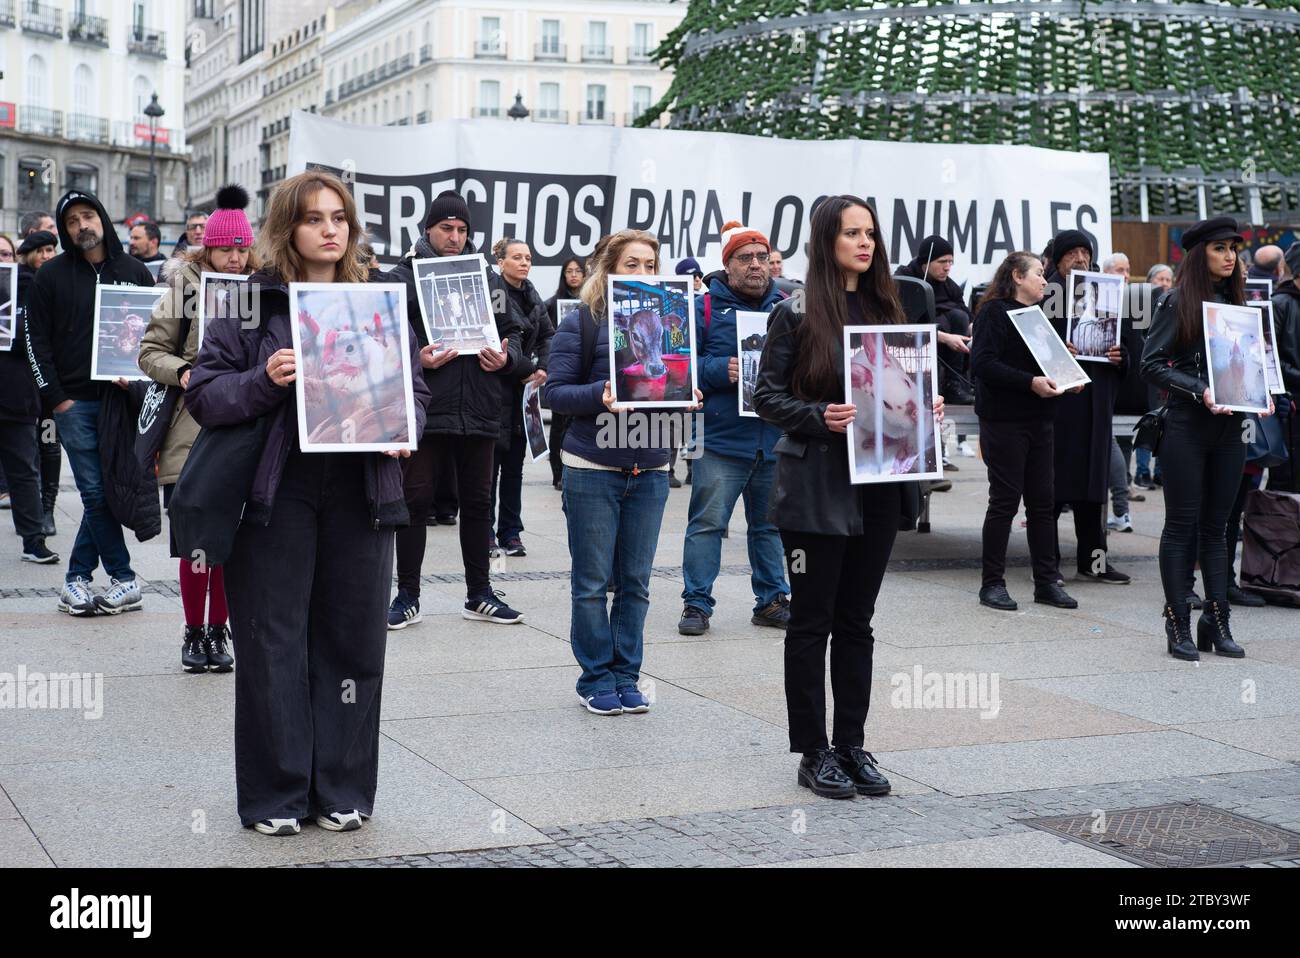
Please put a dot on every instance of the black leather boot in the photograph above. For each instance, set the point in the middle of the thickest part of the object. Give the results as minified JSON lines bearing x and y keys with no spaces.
{"x":1212,"y":631}
{"x":219,"y":660}
{"x":820,"y":771}
{"x":194,"y":653}
{"x":1178,"y":634}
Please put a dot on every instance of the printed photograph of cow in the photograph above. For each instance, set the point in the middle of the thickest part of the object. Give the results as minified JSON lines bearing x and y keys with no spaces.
{"x":651,"y":349}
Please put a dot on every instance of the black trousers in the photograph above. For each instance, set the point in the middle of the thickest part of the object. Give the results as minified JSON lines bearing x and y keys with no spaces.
{"x":508,"y":487}
{"x":470,"y":460}
{"x":1020,"y":463}
{"x":51,"y":461}
{"x":1202,"y":457}
{"x":18,"y":459}
{"x":307,"y":596}
{"x":446,"y":491}
{"x":1089,"y":534}
{"x":834,"y":582}
{"x":1248,"y":482}
{"x":559,"y":426}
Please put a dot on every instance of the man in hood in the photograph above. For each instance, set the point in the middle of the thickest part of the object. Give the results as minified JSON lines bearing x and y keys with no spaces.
{"x":462,"y":427}
{"x":933,"y":263}
{"x":59,"y":341}
{"x":737,"y":457}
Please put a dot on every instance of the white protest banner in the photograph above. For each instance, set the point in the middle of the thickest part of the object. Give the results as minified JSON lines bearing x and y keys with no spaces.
{"x":561,"y":187}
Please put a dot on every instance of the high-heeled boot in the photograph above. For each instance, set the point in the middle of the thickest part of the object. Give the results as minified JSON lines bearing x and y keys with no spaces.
{"x":1178,"y":633}
{"x":1212,"y":631}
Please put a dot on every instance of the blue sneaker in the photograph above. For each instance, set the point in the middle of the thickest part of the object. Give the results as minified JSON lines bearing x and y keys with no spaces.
{"x":603,"y":703}
{"x":404,"y":611}
{"x":632,"y":700}
{"x":490,"y":607}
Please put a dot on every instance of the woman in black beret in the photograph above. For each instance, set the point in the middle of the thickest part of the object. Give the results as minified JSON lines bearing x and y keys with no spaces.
{"x":1202,"y":453}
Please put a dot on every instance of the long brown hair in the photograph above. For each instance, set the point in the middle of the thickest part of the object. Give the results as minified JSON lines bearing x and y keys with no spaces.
{"x":604,"y":261}
{"x":816,"y":373}
{"x":1195,"y":286}
{"x":1003,"y":284}
{"x":285,"y":212}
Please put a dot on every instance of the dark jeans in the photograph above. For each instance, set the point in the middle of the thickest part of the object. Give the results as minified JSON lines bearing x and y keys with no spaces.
{"x":613,"y":520}
{"x":1020,"y":463}
{"x":1249,"y":481}
{"x":100,"y":536}
{"x":508,"y":471}
{"x":559,"y":426}
{"x":470,"y":460}
{"x":307,"y":595}
{"x":1202,"y":457}
{"x":834,"y":581}
{"x":1089,"y":533}
{"x":18,"y":460}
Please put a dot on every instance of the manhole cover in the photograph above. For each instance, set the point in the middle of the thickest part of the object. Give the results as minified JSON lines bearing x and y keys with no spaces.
{"x":1175,"y":836}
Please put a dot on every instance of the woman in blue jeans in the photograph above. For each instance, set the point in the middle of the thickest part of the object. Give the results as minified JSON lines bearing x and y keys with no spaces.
{"x":614,"y":492}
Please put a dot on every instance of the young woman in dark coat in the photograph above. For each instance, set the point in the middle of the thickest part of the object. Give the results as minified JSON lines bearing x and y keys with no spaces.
{"x":837,"y":536}
{"x":1202,"y":452}
{"x":572,"y":276}
{"x":307,"y":580}
{"x":1083,"y":422}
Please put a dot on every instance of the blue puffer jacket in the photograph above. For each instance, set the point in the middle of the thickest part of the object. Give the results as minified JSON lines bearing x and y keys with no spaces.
{"x":726,"y":432}
{"x":577,"y":391}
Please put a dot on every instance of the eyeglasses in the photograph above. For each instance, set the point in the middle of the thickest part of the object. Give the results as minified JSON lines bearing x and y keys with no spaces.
{"x":6,"y":255}
{"x":748,"y":258}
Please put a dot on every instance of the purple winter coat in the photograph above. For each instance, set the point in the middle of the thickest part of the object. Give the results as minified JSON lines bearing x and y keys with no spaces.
{"x":229,"y":385}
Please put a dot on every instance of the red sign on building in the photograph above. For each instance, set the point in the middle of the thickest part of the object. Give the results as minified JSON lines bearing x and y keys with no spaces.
{"x":162,"y":135}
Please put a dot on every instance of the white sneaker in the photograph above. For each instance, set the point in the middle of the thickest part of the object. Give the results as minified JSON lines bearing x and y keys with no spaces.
{"x":1122,"y":523}
{"x":341,"y":821}
{"x":76,"y":598}
{"x":120,"y":597}
{"x":278,"y":826}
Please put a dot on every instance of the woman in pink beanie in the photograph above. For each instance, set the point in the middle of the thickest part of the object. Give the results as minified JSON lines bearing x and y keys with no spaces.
{"x":168,"y":350}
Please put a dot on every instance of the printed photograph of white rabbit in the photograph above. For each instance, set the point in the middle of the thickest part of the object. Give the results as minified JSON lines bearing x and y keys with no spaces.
{"x":1095,"y":303}
{"x":890,"y":377}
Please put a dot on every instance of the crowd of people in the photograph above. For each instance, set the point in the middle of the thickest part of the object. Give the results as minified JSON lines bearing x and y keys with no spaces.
{"x":304,"y":592}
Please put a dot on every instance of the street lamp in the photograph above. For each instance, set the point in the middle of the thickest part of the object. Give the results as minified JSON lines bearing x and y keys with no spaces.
{"x":518,"y":111}
{"x":153,"y":111}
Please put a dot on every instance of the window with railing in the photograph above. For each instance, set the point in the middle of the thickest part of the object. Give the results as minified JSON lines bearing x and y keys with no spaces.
{"x":596,"y":48}
{"x":83,"y":28}
{"x":490,"y":42}
{"x":643,"y":42}
{"x":595,"y":103}
{"x":548,"y":102}
{"x":549,"y":47}
{"x":43,"y":18}
{"x":40,"y":121}
{"x":146,"y":42}
{"x":489,"y":98}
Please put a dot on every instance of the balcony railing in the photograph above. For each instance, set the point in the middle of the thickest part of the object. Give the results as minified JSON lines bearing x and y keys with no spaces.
{"x":391,"y":69}
{"x":43,"y":18}
{"x":424,"y":116}
{"x":606,"y":119}
{"x":489,"y":50}
{"x":135,"y":136}
{"x":487,"y":111}
{"x":85,"y":29}
{"x":147,"y":43}
{"x":7,"y":13}
{"x":597,"y":54}
{"x":549,"y":51}
{"x":86,"y":128}
{"x":551,"y":116}
{"x":639,"y":55}
{"x":426,"y":53}
{"x":40,"y":121}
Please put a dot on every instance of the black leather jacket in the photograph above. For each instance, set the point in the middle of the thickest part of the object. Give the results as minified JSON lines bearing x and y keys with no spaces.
{"x":811,"y":492}
{"x":1286,"y":322}
{"x":1176,"y":368}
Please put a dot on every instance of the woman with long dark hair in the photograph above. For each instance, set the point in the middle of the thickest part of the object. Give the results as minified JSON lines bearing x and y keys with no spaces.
{"x":837,"y":536}
{"x":308,"y":577}
{"x":1016,"y":405}
{"x":572,"y":275}
{"x":1201,"y":450}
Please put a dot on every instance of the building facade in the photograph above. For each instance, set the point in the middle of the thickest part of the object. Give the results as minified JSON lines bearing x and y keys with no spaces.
{"x":78,"y":76}
{"x":578,"y":61}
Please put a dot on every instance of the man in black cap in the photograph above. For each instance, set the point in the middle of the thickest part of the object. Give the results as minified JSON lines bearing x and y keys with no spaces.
{"x":1083,"y":434}
{"x":933,"y":263}
{"x":462,"y":427}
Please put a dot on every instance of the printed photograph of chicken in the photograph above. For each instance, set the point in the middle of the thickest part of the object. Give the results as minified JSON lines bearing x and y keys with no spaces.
{"x":651,"y":349}
{"x":121,"y":317}
{"x":454,"y":303}
{"x":8,"y":305}
{"x":1095,"y":306}
{"x":354,"y":367}
{"x":891,"y":379}
{"x":751,"y":334}
{"x":1234,"y":339}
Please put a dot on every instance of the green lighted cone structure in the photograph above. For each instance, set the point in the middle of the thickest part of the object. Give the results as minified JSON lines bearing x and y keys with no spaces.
{"x":1197,"y":104}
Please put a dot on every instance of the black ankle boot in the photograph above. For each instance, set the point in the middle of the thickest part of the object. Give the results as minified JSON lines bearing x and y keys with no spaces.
{"x":1178,"y":634}
{"x":194,"y":653}
{"x":219,"y":660}
{"x":1212,"y":631}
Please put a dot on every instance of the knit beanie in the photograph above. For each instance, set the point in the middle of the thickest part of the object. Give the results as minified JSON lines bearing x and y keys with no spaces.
{"x":1067,"y":240}
{"x":228,"y":224}
{"x":735,"y":235}
{"x":932,"y":248}
{"x":688,"y":267}
{"x":447,"y":205}
{"x":1292,"y":257}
